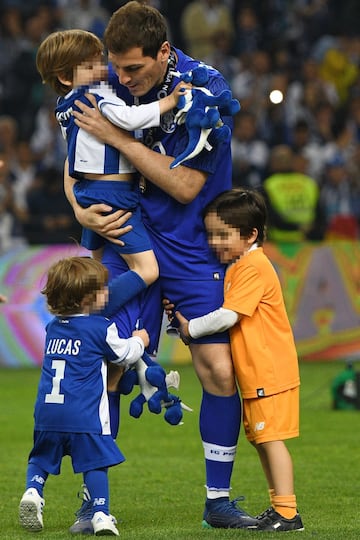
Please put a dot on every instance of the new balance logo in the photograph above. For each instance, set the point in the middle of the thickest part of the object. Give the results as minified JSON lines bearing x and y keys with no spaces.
{"x":99,"y":501}
{"x":38,"y":479}
{"x":259,"y":426}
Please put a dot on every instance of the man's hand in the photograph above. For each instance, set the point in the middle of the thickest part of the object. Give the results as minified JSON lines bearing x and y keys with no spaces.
{"x":110,"y":226}
{"x":168,"y":308}
{"x":91,"y":120}
{"x":183,"y":328}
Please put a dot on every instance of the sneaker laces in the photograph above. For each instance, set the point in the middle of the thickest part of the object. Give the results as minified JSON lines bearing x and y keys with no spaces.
{"x":231,"y":506}
{"x":234,"y":502}
{"x":266,"y":512}
{"x":85,"y":511}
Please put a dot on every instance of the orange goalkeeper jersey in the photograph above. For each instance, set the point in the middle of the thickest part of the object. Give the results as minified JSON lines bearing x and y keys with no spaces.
{"x":262,"y":343}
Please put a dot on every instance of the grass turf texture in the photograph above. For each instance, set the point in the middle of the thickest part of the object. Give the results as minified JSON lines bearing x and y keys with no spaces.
{"x":158,"y":492}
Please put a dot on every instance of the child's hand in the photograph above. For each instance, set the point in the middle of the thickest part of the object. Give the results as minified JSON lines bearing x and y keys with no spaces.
{"x":183,"y":328}
{"x":169,"y":102}
{"x":180,"y":89}
{"x":142,"y":334}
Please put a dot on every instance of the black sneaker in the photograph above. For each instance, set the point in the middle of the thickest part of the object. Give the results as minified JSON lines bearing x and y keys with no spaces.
{"x":224,"y":514}
{"x":273,"y":521}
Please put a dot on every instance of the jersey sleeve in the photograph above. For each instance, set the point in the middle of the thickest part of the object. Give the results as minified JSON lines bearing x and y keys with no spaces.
{"x":129,"y":117}
{"x":216,"y":321}
{"x":124,"y":351}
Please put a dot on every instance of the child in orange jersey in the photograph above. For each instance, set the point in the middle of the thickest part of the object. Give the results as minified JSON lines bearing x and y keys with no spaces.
{"x":262,"y":344}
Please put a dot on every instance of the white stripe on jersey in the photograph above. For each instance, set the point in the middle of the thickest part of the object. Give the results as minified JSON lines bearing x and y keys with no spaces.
{"x":104,"y":414}
{"x":128,"y":351}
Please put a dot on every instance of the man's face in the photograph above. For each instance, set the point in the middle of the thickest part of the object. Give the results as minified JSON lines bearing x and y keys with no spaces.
{"x":140,"y":73}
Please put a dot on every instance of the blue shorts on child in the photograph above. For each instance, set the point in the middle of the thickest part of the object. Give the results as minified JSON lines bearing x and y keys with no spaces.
{"x":119,"y":195}
{"x":88,"y":451}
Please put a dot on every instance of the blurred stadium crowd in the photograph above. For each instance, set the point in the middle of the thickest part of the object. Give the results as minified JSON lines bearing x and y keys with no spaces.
{"x":293,"y":64}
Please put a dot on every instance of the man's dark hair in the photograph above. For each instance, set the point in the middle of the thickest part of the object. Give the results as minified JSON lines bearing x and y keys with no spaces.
{"x":136,"y":24}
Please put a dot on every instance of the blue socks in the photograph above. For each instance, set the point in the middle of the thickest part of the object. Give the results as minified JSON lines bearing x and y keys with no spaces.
{"x":98,"y":486}
{"x":36,"y":478}
{"x":220,"y":420}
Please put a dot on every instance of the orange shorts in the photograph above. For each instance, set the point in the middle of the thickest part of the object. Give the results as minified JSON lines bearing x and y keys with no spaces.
{"x":272,"y":418}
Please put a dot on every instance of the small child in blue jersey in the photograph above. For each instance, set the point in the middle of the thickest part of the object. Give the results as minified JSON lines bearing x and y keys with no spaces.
{"x":72,"y":409}
{"x":72,"y":63}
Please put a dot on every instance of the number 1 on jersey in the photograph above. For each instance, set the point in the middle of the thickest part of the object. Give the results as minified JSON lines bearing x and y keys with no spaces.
{"x":55,"y":396}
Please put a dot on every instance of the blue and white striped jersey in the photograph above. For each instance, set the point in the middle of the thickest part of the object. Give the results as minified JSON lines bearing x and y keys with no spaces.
{"x":87,"y":154}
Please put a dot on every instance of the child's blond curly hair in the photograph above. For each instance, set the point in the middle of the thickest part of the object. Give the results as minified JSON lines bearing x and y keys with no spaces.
{"x":72,"y":280}
{"x":61,"y":52}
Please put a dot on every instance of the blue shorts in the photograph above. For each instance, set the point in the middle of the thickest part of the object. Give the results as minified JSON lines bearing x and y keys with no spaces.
{"x":88,"y":451}
{"x":192,"y":297}
{"x":118,"y":195}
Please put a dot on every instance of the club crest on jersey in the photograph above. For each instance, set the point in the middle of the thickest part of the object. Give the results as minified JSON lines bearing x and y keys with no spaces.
{"x":167,"y":122}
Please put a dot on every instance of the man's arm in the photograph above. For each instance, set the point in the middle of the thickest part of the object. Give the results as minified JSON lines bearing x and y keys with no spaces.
{"x":97,"y":217}
{"x":181,"y":183}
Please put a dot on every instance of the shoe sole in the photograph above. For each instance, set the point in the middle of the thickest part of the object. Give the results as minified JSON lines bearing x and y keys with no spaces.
{"x":105,"y":532}
{"x":81,"y":530}
{"x":28,"y":516}
{"x":282,"y":530}
{"x":300,"y":529}
{"x":82,"y":527}
{"x":206,"y":525}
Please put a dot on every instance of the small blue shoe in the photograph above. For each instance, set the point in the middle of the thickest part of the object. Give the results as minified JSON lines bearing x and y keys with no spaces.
{"x":83,"y":523}
{"x":84,"y":515}
{"x":225,"y":514}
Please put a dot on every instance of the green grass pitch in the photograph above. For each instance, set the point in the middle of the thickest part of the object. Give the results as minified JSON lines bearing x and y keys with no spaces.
{"x":158,"y":493}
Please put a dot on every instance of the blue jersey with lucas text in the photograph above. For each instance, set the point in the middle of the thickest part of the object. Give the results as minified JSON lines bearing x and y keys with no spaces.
{"x":72,"y":394}
{"x":177,"y":230}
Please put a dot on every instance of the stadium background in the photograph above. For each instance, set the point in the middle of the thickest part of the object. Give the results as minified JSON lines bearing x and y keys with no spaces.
{"x":321,"y":281}
{"x":320,"y":284}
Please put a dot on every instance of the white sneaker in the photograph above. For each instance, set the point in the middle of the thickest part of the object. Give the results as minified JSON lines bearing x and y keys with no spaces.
{"x":104,"y":525}
{"x":30,"y":510}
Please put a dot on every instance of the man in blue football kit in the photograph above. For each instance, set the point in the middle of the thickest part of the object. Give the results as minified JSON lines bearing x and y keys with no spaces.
{"x":172,"y":201}
{"x":72,"y":409}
